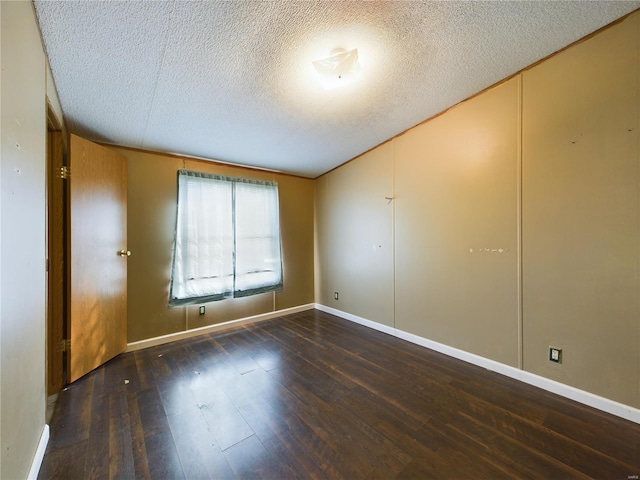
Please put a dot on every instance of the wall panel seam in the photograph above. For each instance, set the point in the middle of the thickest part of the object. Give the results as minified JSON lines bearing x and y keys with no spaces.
{"x":519,"y":222}
{"x":393,"y":233}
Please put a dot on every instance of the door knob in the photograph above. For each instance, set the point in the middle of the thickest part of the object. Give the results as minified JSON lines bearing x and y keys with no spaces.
{"x":124,"y":253}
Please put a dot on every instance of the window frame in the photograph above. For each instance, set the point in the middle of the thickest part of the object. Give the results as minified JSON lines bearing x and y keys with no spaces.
{"x":178,"y":289}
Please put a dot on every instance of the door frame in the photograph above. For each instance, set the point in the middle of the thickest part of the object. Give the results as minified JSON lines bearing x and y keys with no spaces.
{"x":57,"y":254}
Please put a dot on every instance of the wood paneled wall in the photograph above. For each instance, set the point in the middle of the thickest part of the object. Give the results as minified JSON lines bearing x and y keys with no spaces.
{"x":581,"y":214}
{"x":151,"y":222}
{"x":355,"y":236}
{"x":515,"y":222}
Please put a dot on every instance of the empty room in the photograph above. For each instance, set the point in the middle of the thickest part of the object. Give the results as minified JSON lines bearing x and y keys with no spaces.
{"x":320,"y":239}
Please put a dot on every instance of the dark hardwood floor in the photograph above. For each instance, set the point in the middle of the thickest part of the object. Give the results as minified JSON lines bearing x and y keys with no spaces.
{"x":313,"y":396}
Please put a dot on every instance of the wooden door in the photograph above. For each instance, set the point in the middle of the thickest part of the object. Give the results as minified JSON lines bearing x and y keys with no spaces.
{"x":98,"y":256}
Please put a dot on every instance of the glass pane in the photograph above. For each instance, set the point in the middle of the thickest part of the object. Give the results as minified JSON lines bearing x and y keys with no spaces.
{"x":257,"y":236}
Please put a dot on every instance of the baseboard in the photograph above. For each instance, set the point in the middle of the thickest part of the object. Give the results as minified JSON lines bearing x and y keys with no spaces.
{"x":354,"y":318}
{"x":39,"y":456}
{"x":586,"y":398}
{"x":172,"y":337}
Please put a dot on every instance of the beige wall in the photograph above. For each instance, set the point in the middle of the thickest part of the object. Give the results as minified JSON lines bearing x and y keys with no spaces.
{"x":516,"y":222}
{"x":151,"y":221}
{"x":456,"y":216}
{"x":406,"y":263}
{"x":22,"y":239}
{"x":355,"y":236}
{"x":581,"y":214}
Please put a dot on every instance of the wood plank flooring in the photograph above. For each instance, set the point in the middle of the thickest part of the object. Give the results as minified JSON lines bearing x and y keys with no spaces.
{"x":313,"y":396}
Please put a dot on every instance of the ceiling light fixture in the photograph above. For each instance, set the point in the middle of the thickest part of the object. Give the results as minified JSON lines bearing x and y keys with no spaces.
{"x":339,"y":69}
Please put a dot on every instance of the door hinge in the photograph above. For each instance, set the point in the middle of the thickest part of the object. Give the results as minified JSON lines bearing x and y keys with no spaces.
{"x":65,"y":172}
{"x":65,"y":345}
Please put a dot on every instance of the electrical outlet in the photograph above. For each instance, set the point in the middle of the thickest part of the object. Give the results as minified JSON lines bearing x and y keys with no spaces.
{"x":335,"y":295}
{"x":201,"y":310}
{"x":555,"y":354}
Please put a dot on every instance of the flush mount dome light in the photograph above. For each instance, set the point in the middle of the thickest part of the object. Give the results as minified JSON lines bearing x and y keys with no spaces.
{"x":340,"y":68}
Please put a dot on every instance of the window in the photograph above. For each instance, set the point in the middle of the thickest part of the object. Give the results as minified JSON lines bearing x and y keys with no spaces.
{"x":227,"y":241}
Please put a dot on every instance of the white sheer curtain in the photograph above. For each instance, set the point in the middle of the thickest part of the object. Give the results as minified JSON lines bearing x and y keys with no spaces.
{"x":227,"y":240}
{"x":258,"y":254}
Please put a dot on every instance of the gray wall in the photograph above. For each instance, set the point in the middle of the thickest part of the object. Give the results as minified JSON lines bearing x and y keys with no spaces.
{"x":515,"y":223}
{"x":22,"y":240}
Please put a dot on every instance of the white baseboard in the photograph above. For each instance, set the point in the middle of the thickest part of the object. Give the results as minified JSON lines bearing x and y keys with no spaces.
{"x":586,"y":398}
{"x":172,"y":337}
{"x":39,"y":456}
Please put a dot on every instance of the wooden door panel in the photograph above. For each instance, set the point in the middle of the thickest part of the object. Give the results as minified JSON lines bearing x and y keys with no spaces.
{"x":98,"y":308}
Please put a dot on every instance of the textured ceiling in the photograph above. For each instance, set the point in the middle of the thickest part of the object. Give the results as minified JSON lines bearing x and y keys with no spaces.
{"x":233,"y":80}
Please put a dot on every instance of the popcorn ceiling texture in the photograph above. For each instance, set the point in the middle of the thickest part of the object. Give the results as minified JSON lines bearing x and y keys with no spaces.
{"x":233,"y":80}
